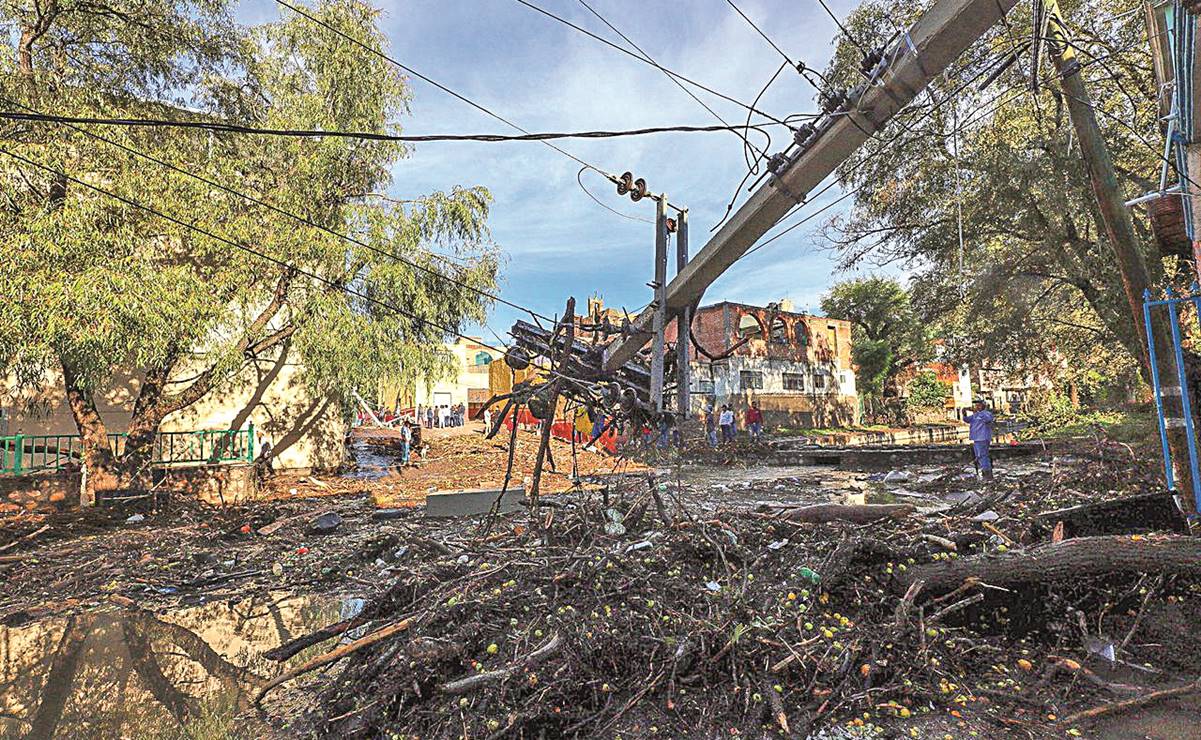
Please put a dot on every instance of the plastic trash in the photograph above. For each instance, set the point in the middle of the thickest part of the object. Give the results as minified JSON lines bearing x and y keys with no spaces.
{"x":777,"y":545}
{"x":897,"y":476}
{"x":810,"y":575}
{"x":986,"y":516}
{"x":713,"y":586}
{"x":135,"y":519}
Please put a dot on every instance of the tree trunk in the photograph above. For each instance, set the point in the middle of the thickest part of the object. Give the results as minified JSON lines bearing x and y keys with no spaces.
{"x":99,"y":463}
{"x":854,"y":513}
{"x":1082,"y":557}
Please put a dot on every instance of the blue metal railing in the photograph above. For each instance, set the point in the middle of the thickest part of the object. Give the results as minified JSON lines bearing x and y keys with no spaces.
{"x":33,"y":453}
{"x":1171,"y":303}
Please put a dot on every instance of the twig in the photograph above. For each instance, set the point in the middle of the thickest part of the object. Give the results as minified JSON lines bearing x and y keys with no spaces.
{"x":480,"y":680}
{"x":335,"y":655}
{"x":1139,"y":617}
{"x":1131,"y":703}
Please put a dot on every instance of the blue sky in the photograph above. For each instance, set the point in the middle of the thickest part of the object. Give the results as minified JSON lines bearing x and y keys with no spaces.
{"x":546,"y":77}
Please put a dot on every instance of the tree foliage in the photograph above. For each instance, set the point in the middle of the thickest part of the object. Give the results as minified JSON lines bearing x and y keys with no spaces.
{"x":887,"y":336}
{"x":96,"y":286}
{"x":927,"y":392}
{"x":1034,"y":281}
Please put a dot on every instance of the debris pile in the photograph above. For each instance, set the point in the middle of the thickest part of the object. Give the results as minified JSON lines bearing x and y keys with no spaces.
{"x":628,"y":612}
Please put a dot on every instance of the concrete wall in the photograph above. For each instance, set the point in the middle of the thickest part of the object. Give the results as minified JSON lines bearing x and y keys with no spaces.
{"x":305,"y":430}
{"x":50,"y":492}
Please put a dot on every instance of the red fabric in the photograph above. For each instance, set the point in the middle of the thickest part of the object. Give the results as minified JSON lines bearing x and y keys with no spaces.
{"x":754,"y":416}
{"x":563,"y":429}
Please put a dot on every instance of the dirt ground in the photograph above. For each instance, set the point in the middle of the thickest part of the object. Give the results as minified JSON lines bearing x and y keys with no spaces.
{"x":688,"y":608}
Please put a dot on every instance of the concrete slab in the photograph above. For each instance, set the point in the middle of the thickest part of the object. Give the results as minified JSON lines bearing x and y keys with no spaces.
{"x":472,"y":502}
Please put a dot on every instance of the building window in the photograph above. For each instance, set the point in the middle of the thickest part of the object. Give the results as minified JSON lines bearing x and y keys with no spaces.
{"x":802,"y":334}
{"x":819,"y":381}
{"x":750,"y":380}
{"x":779,"y":331}
{"x":705,"y":387}
{"x":483,"y":358}
{"x":794,"y":382}
{"x":749,"y":326}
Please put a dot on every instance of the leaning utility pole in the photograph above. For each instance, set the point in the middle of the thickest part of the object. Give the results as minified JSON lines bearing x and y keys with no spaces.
{"x":1119,"y":230}
{"x":897,"y":74}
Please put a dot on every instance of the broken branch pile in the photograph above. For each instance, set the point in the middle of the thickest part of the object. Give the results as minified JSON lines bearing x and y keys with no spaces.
{"x":612,"y":615}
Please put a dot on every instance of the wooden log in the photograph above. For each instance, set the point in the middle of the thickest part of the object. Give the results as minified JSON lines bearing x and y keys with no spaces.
{"x":1081,"y":557}
{"x":1140,"y":513}
{"x":854,"y":513}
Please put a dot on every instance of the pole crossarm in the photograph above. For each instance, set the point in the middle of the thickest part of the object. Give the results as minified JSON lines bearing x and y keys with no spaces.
{"x":939,"y":37}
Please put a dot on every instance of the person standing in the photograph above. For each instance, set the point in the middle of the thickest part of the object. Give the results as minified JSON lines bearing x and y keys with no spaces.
{"x":754,"y":421}
{"x":711,"y":425}
{"x":487,"y":420}
{"x":726,"y":420}
{"x":406,"y":441}
{"x":980,"y":427}
{"x":429,"y":417}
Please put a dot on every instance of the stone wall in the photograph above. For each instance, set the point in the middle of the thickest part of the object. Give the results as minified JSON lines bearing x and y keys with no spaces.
{"x":46,"y":493}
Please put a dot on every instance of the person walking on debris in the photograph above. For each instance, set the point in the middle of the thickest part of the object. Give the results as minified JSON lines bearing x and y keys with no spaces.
{"x":980,"y":425}
{"x":710,"y":415}
{"x":727,"y":424}
{"x":754,"y":421}
{"x":429,"y":417}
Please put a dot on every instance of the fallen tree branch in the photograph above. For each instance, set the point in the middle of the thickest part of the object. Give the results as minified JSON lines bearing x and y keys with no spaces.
{"x":1081,"y":557}
{"x":1132,"y":703}
{"x":292,"y":647}
{"x":480,"y":680}
{"x":855,"y":513}
{"x":334,"y":655}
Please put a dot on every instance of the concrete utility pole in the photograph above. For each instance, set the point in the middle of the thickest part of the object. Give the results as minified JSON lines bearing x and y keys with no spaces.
{"x":938,"y":38}
{"x":683,"y":323}
{"x":1119,"y":230}
{"x":658,"y":306}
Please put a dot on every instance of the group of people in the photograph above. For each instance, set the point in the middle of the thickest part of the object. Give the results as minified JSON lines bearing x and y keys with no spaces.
{"x":724,"y":423}
{"x":442,"y":416}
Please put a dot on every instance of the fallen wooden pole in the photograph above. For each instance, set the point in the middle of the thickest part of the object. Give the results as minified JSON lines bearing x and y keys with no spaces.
{"x":854,"y":513}
{"x":334,"y":655}
{"x":1081,"y":557}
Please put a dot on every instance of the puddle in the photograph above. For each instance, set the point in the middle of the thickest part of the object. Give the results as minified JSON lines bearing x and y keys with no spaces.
{"x":371,"y":462}
{"x":188,"y":673}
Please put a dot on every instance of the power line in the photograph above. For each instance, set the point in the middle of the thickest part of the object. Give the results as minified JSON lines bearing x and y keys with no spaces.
{"x":758,"y":30}
{"x":256,"y":253}
{"x":629,"y":53}
{"x":649,"y":58}
{"x":435,"y":83}
{"x":224,"y":127}
{"x":294,"y":216}
{"x":845,"y":32}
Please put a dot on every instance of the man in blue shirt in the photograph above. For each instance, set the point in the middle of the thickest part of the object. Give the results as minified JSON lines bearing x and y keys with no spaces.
{"x":980,"y":424}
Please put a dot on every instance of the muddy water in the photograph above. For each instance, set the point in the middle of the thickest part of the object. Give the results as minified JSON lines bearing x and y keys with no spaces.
{"x":371,"y":462}
{"x":117,"y":673}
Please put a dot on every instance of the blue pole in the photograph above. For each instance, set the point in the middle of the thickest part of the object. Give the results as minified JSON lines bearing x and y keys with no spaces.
{"x":1186,"y":403}
{"x":1158,"y":391}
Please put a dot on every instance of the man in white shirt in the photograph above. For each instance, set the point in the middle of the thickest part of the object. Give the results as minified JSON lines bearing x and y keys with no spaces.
{"x":726,"y":420}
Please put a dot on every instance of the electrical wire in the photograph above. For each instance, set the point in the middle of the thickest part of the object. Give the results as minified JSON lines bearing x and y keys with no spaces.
{"x":629,"y":53}
{"x":263,"y":256}
{"x":435,"y":83}
{"x":745,"y":142}
{"x":224,"y":127}
{"x":579,"y":179}
{"x":294,"y":216}
{"x":845,"y":32}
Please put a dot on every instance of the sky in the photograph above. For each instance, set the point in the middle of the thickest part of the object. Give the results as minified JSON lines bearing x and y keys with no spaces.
{"x":555,"y":240}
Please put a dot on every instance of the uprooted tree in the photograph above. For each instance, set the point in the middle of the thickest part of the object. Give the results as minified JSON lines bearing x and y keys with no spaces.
{"x":95,"y":287}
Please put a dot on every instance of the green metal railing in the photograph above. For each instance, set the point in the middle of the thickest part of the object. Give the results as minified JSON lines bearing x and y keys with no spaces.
{"x":32,"y":453}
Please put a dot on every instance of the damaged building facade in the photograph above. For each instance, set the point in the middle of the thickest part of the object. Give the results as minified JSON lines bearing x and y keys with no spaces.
{"x":797,"y":366}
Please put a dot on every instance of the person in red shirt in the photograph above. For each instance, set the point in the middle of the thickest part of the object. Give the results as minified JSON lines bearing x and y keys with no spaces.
{"x":754,"y":421}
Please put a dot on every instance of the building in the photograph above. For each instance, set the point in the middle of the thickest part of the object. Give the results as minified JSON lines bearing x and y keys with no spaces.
{"x":305,"y":430}
{"x":798,"y":367}
{"x":468,"y":385}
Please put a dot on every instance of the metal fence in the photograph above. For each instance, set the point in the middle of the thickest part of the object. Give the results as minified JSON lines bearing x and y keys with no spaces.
{"x":32,"y":453}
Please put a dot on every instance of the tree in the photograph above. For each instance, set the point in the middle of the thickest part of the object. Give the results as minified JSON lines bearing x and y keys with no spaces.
{"x":1034,"y":276}
{"x":95,"y":286}
{"x":927,"y":392}
{"x":886,"y":335}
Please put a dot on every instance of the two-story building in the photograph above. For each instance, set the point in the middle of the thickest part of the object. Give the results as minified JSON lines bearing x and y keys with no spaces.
{"x":797,"y":366}
{"x":469,"y":384}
